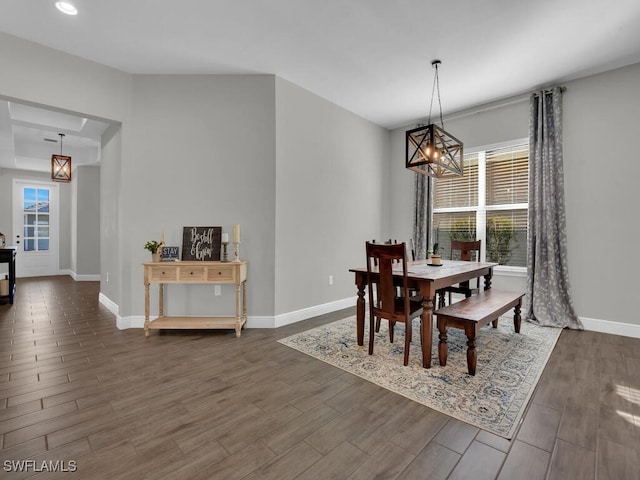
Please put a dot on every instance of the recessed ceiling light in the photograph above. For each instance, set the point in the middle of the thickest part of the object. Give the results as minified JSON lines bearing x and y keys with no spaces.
{"x":66,"y":7}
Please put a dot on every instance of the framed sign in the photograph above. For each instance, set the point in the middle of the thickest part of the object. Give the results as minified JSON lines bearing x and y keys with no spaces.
{"x":201,"y":243}
{"x":170,"y":254}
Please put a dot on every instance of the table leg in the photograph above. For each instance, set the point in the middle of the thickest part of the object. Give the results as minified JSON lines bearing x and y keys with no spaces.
{"x":472,"y":354}
{"x":161,"y":299}
{"x":238,"y":311}
{"x":146,"y":309}
{"x":12,"y":277}
{"x":360,"y":309}
{"x":487,"y":280}
{"x":443,"y":348}
{"x":426,"y":323}
{"x":516,"y":317}
{"x":244,"y":302}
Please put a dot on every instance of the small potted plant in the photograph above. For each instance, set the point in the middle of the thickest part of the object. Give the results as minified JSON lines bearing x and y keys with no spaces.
{"x":436,"y":258}
{"x":153,"y":246}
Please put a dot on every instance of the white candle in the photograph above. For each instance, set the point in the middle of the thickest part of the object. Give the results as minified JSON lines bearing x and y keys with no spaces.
{"x":236,"y":234}
{"x":225,"y":238}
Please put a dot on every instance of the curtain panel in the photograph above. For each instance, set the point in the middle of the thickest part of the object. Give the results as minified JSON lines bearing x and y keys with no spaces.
{"x":423,"y":207}
{"x":548,"y":300}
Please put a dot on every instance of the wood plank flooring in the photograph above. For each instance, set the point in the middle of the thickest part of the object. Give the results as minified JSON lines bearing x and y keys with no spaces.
{"x":206,"y":405}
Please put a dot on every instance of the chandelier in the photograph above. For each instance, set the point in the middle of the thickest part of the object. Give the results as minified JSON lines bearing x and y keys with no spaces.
{"x":430,"y":150}
{"x":60,"y":165}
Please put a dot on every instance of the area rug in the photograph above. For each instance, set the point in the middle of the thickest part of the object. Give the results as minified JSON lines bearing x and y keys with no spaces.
{"x":508,"y":368}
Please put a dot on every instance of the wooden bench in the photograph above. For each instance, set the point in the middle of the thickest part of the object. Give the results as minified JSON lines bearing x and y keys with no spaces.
{"x":473,"y":313}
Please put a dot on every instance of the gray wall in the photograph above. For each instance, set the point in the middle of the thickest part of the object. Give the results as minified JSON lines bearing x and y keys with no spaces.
{"x":245,"y":167}
{"x":110,"y":172}
{"x":477,"y":128}
{"x":201,"y":153}
{"x":39,"y":75}
{"x":602,"y":168}
{"x":87,"y":220}
{"x":601,"y":179}
{"x":331,"y":173}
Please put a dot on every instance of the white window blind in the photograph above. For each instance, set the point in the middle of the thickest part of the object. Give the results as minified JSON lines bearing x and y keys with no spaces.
{"x":488,"y":203}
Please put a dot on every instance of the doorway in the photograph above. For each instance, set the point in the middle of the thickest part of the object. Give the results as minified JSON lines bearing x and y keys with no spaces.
{"x":36,"y":228}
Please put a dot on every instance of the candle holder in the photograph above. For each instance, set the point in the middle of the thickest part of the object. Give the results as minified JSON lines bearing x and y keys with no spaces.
{"x":236,"y":251}
{"x":225,"y":257}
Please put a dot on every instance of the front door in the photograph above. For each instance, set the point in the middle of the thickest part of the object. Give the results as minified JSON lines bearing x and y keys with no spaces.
{"x":36,"y":228}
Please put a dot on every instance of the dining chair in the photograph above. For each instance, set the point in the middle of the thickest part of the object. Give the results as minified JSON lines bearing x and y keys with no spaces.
{"x":384,"y":301}
{"x":463,"y":250}
{"x":413,"y":293}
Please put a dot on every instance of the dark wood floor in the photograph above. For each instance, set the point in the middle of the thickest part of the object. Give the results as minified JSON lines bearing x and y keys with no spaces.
{"x":206,"y":405}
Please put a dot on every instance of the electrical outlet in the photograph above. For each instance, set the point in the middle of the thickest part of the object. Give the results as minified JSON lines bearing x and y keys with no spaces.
{"x":330,"y":279}
{"x":217,"y":290}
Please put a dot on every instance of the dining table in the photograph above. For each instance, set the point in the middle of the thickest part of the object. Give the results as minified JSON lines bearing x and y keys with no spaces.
{"x":427,"y":279}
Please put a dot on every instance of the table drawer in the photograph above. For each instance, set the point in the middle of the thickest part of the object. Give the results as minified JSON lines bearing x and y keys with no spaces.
{"x":163,"y":274}
{"x":221,"y":274}
{"x":192,"y":274}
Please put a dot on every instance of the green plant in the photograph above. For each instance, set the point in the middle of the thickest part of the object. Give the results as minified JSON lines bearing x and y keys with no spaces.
{"x":500,"y":234}
{"x":463,"y":229}
{"x":436,"y":248}
{"x":152,"y":246}
{"x":500,"y":240}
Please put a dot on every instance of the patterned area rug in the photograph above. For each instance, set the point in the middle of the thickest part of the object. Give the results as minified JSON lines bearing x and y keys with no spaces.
{"x":509,"y":366}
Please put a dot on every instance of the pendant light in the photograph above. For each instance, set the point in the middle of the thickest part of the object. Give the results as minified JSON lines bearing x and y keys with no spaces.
{"x":430,"y":150}
{"x":60,"y":165}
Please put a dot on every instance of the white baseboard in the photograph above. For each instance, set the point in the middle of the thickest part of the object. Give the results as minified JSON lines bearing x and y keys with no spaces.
{"x":110,"y":304}
{"x":137,"y":321}
{"x":310,"y":312}
{"x":133,"y":321}
{"x":608,"y":326}
{"x":81,"y":277}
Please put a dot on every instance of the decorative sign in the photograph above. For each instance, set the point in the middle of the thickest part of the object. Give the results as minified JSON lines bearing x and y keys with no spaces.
{"x":170,"y":254}
{"x":201,"y":243}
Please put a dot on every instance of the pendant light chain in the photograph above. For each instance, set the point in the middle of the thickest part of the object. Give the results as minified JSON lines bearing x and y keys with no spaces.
{"x":436,"y":87}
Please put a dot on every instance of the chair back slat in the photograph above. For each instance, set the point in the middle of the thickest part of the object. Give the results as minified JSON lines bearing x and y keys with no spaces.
{"x":465,"y":248}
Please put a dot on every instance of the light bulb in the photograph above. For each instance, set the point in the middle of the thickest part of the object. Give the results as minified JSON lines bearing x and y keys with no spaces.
{"x":66,"y":8}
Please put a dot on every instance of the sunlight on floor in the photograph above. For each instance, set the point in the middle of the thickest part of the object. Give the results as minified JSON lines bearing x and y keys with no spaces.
{"x":635,"y":421}
{"x":629,"y":394}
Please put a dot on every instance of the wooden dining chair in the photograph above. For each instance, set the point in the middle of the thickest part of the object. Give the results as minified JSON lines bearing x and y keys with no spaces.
{"x":463,"y":250}
{"x":384,"y":301}
{"x":412,"y":292}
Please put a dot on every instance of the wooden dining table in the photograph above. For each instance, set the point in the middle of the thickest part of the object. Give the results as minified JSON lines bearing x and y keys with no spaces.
{"x":426,"y":279}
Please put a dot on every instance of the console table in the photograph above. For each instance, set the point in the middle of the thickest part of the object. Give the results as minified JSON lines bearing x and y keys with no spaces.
{"x":8,"y":255}
{"x":198,"y":272}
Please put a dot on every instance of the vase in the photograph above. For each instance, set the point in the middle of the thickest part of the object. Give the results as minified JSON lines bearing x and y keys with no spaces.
{"x":155,"y":257}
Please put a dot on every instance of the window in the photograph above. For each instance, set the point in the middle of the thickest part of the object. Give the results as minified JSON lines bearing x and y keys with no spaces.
{"x":490,"y":203}
{"x":36,"y":219}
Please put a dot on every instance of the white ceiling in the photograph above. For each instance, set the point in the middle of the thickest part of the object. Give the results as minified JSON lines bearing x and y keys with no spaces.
{"x":30,"y":135}
{"x":372,"y":57}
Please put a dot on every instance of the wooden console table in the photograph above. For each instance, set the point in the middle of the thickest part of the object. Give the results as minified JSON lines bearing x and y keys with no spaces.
{"x":196,"y":272}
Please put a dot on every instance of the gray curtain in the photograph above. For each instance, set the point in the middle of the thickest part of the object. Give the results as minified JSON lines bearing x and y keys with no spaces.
{"x":548,"y":301}
{"x":423,"y":207}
